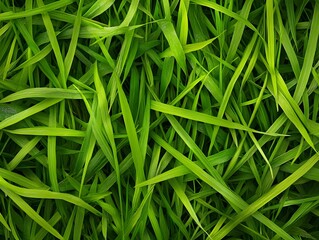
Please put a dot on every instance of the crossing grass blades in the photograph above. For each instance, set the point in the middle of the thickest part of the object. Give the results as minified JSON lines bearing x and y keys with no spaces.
{"x":182,"y":119}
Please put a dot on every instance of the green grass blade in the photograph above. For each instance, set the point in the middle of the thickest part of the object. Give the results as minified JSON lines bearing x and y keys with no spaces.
{"x":174,"y":43}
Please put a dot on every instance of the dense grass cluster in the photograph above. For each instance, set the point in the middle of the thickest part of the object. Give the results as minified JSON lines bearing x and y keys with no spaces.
{"x":168,"y":119}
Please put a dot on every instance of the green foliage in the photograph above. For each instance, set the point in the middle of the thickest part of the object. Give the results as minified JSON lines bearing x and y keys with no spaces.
{"x":182,"y":119}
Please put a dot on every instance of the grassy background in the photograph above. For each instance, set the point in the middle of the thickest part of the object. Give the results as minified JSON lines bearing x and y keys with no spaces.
{"x":181,"y":119}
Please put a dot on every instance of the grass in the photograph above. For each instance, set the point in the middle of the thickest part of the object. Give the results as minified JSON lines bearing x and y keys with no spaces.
{"x":189,"y":119}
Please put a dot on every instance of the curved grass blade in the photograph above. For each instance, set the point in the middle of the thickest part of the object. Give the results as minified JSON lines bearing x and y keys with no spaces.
{"x":31,"y":213}
{"x":174,"y":43}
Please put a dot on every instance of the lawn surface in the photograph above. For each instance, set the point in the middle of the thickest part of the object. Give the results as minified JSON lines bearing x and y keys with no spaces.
{"x":167,"y":119}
